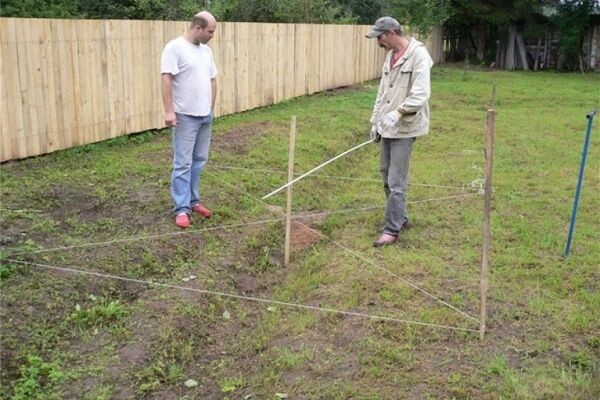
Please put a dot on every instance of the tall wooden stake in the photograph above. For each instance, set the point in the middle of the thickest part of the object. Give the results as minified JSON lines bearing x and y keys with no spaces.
{"x":288,"y":212}
{"x":489,"y":151}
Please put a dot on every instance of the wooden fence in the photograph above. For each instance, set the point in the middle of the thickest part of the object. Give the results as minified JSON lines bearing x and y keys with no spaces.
{"x":71,"y":82}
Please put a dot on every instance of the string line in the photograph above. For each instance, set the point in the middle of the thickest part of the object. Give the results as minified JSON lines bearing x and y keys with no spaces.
{"x":241,"y":297}
{"x":187,"y":232}
{"x":345,"y":178}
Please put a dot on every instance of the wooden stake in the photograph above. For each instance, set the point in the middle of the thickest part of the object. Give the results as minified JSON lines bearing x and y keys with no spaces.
{"x":489,"y":147}
{"x":288,"y":212}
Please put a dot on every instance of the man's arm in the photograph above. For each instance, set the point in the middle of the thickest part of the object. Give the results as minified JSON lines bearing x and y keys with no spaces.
{"x":213,"y":86}
{"x":167,"y":97}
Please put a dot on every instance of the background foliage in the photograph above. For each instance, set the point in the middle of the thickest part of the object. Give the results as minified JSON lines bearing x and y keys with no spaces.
{"x":486,"y":21}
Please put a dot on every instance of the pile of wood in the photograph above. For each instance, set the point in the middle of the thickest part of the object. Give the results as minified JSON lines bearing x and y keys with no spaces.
{"x":513,"y":53}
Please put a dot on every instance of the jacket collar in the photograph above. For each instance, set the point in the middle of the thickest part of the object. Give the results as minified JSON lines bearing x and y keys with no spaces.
{"x":412,"y":45}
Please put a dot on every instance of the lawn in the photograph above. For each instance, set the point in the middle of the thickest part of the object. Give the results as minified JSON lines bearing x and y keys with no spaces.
{"x":103,"y":297}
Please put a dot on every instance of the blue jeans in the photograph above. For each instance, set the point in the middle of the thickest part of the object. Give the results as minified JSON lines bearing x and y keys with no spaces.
{"x":191,"y":141}
{"x":393,"y":165}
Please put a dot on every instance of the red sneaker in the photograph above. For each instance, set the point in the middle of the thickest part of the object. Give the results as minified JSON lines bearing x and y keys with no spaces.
{"x":182,"y":220}
{"x":200,"y":209}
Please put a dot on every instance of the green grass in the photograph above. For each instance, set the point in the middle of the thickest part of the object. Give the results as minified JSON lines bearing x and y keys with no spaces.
{"x":107,"y":207}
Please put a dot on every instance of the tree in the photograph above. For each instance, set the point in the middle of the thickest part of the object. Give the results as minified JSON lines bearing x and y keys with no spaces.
{"x":105,"y":9}
{"x":420,"y":15}
{"x":481,"y":24}
{"x":364,"y":11}
{"x":39,"y":8}
{"x":297,"y":11}
{"x":572,"y":21}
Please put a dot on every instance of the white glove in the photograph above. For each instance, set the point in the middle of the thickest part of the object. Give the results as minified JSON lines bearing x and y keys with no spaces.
{"x":374,"y":134}
{"x":391,"y":119}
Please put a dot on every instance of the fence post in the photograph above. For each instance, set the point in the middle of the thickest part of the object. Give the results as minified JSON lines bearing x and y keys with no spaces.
{"x":288,"y":212}
{"x":590,"y":118}
{"x":489,"y":152}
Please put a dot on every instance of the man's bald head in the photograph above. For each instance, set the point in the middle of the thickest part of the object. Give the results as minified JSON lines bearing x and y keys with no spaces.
{"x":203,"y":19}
{"x":202,"y":28}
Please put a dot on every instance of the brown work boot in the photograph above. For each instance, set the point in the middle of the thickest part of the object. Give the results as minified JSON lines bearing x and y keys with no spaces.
{"x":385,"y":240}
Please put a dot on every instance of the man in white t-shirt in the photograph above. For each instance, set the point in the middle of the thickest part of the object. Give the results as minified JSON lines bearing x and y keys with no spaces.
{"x":189,"y":89}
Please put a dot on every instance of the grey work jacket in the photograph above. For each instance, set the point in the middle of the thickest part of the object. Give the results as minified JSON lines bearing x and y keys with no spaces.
{"x":405,"y":88}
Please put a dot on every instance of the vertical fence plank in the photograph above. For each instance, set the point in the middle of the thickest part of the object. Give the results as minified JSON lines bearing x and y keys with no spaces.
{"x":12,"y":108}
{"x":299,"y":74}
{"x":56,"y":138}
{"x":145,"y":81}
{"x":50,"y":139}
{"x":288,"y":66}
{"x":148,"y":83}
{"x":114,"y":83}
{"x":93,"y":75}
{"x":97,"y":89}
{"x":157,"y":34}
{"x":31,"y":93}
{"x":228,"y":82}
{"x":135,"y":76}
{"x":42,"y":84}
{"x":243,"y":47}
{"x":103,"y":96}
{"x":255,"y":66}
{"x":78,"y":114}
{"x":311,"y":60}
{"x":83,"y":84}
{"x":67,"y":82}
{"x":124,"y":65}
{"x":269,"y":84}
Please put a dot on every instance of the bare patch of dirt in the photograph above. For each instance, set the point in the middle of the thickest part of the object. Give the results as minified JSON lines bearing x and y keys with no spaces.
{"x":146,"y":194}
{"x":133,"y":353}
{"x":64,"y":199}
{"x":237,"y":140}
{"x":346,"y":90}
{"x":164,"y":156}
{"x":303,"y":236}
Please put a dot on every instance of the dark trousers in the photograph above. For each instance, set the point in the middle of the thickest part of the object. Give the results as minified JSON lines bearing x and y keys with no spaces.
{"x":393,"y":165}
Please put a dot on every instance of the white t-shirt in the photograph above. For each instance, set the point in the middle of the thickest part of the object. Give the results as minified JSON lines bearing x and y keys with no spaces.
{"x":192,"y":67}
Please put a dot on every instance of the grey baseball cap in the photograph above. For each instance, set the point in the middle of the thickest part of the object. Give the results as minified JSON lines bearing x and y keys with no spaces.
{"x":383,"y":24}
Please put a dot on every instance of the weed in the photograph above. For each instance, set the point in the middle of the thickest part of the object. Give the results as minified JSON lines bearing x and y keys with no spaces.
{"x":104,"y":392}
{"x":38,"y":379}
{"x":7,"y":271}
{"x":101,"y":314}
{"x":230,"y":385}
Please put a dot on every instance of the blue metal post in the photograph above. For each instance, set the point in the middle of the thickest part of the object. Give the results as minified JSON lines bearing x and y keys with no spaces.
{"x":590,"y":118}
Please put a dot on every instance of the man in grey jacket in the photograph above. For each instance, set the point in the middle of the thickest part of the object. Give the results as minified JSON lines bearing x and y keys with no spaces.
{"x":400,"y":115}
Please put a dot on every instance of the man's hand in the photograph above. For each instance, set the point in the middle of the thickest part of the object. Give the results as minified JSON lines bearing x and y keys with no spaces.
{"x":375,"y":137}
{"x":170,"y":119}
{"x":391,"y":119}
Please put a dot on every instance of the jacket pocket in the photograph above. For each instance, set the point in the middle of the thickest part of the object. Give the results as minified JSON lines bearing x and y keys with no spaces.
{"x":410,"y":122}
{"x":405,"y":77}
